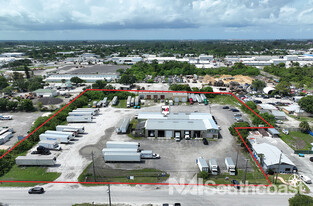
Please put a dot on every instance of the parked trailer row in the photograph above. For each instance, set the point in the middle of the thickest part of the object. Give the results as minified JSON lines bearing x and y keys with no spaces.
{"x":71,"y":134}
{"x":32,"y":160}
{"x":120,"y":150}
{"x":123,"y":126}
{"x":80,"y":129}
{"x":95,"y":111}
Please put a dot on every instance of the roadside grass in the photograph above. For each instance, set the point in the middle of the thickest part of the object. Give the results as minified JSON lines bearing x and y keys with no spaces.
{"x":298,"y":140}
{"x":27,"y":174}
{"x":224,"y":99}
{"x":121,"y":104}
{"x":146,"y":175}
{"x":308,"y":119}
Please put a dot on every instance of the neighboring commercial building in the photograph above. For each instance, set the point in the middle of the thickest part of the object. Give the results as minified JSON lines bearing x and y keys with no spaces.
{"x":86,"y":77}
{"x":269,"y":156}
{"x":46,"y":92}
{"x":196,"y":124}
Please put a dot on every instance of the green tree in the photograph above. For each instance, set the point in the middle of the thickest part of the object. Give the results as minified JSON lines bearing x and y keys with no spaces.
{"x":26,"y":105}
{"x":301,"y":200}
{"x":8,"y":90}
{"x":76,"y":80}
{"x":3,"y":104}
{"x":99,"y":84}
{"x":251,"y":105}
{"x":180,"y":87}
{"x":283,"y":88}
{"x":128,"y":79}
{"x":3,"y":82}
{"x":304,"y":126}
{"x":243,"y":132}
{"x":63,"y":81}
{"x":26,"y":69}
{"x":258,"y":85}
{"x":12,"y":105}
{"x":306,"y":103}
{"x":208,"y":89}
{"x":266,"y":116}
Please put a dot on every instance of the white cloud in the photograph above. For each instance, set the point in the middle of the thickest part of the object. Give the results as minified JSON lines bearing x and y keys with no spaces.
{"x":148,"y":14}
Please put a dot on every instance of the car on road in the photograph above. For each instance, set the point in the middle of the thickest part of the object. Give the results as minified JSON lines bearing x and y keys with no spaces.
{"x":36,"y":190}
{"x":165,"y":204}
{"x":236,"y":184}
{"x":177,"y":204}
{"x":205,"y":141}
{"x":311,"y":159}
{"x":279,"y":122}
{"x":235,"y":110}
{"x":226,"y":107}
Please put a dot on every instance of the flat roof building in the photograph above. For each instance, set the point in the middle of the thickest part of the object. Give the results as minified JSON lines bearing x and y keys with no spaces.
{"x":195,"y":124}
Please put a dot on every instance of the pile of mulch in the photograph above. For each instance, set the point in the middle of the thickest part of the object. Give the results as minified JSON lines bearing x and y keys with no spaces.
{"x":50,"y":100}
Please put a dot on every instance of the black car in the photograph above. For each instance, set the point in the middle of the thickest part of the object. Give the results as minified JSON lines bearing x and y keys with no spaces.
{"x":165,"y":204}
{"x":36,"y":190}
{"x":257,"y":101}
{"x":235,"y":110}
{"x":226,"y":107}
{"x":177,"y":204}
{"x":205,"y":141}
{"x":311,"y":159}
{"x":236,"y":184}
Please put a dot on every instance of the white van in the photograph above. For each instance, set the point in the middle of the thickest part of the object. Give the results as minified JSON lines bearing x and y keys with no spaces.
{"x":306,"y":179}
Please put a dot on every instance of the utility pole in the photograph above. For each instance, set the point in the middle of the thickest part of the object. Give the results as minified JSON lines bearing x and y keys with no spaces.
{"x":244,"y":177}
{"x":109,"y":192}
{"x":93,"y":167}
{"x":278,"y":166}
{"x":237,"y":159}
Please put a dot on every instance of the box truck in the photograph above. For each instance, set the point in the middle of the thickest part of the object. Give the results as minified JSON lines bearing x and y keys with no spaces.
{"x":148,"y":154}
{"x":137,"y":101}
{"x":203,"y":166}
{"x":231,"y":168}
{"x":58,"y":138}
{"x":50,"y":144}
{"x":213,"y":167}
{"x":77,"y":119}
{"x":113,"y":144}
{"x":35,"y":160}
{"x":80,"y":129}
{"x":121,"y":157}
{"x":105,"y":102}
{"x":128,"y":101}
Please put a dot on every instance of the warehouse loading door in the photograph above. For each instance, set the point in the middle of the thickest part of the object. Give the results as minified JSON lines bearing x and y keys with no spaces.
{"x":168,"y":134}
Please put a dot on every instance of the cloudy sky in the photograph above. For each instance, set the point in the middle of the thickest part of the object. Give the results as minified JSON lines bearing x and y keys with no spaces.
{"x":155,"y":19}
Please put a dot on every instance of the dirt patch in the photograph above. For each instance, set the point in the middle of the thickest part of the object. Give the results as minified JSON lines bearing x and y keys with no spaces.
{"x":228,"y":78}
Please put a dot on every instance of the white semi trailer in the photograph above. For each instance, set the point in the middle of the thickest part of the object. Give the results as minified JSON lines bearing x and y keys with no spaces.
{"x":231,"y":168}
{"x":113,"y":144}
{"x":203,"y":166}
{"x":95,"y":111}
{"x":54,"y":137}
{"x":120,"y":150}
{"x":50,"y":144}
{"x":78,"y":119}
{"x":5,"y":137}
{"x":213,"y":167}
{"x":121,"y":157}
{"x":34,"y":160}
{"x":80,"y":129}
{"x":72,"y":134}
{"x":81,"y":113}
{"x":128,"y":101}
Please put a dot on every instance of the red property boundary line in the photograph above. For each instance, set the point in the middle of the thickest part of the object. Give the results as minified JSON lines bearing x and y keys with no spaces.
{"x":123,"y":183}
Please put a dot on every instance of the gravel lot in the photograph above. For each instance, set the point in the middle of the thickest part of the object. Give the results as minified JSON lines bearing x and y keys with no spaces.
{"x":177,"y":158}
{"x":21,"y":123}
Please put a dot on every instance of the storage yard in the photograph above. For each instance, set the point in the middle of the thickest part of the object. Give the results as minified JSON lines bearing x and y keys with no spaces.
{"x":102,"y":134}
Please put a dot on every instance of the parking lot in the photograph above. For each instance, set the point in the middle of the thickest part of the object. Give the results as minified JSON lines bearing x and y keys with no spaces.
{"x":177,"y":158}
{"x":21,"y":123}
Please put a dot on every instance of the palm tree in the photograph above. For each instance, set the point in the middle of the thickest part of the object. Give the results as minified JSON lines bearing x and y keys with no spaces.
{"x":304,"y":126}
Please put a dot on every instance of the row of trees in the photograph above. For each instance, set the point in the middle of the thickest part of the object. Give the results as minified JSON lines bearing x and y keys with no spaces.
{"x":170,"y":68}
{"x":16,"y":105}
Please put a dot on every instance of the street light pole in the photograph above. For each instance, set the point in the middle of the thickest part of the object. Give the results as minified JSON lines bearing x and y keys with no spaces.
{"x":109,"y":192}
{"x":244,"y":177}
{"x":278,"y":166}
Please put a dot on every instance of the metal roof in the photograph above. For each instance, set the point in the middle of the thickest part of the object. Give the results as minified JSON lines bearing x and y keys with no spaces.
{"x":267,"y":106}
{"x":273,"y":131}
{"x":166,"y":124}
{"x":271,"y":154}
{"x":277,"y":113}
